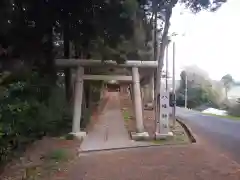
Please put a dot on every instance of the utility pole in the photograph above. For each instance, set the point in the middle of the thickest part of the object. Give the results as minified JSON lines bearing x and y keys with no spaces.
{"x":186,"y":90}
{"x":166,"y":76}
{"x":155,"y":58}
{"x":174,"y":88}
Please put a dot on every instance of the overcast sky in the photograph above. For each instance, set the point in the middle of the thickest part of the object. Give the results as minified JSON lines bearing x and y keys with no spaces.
{"x":211,"y":40}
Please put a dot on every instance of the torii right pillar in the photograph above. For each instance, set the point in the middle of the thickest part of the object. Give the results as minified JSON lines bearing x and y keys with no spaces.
{"x":140,"y":134}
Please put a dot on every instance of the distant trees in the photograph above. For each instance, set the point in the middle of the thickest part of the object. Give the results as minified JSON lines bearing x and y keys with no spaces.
{"x":201,"y":89}
{"x":227,"y":81}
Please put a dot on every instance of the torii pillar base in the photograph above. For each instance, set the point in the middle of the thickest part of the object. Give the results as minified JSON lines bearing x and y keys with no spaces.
{"x":159,"y":136}
{"x":79,"y":135}
{"x":143,"y":136}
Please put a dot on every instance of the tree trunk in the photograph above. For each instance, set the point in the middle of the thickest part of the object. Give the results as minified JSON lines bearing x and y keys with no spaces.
{"x":163,"y":45}
{"x":155,"y":49}
{"x":50,"y":64}
{"x":226,"y":93}
{"x":87,"y":94}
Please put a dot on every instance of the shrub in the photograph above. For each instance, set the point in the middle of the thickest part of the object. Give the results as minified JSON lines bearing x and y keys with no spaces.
{"x":234,"y":110}
{"x":58,"y":155}
{"x":29,"y":110}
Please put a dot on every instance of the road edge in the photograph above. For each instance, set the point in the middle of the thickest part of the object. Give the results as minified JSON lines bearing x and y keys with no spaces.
{"x":187,"y":130}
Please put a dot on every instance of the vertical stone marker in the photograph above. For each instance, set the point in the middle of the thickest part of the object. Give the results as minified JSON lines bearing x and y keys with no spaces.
{"x":164,"y":113}
{"x":163,"y":131}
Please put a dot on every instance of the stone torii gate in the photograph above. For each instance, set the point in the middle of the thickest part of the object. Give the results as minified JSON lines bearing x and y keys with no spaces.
{"x":79,"y":64}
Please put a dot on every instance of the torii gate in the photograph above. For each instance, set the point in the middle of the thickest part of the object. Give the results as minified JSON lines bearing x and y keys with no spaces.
{"x":134,"y":78}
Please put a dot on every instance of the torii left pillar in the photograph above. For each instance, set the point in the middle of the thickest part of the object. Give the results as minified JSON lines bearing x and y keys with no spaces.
{"x":78,"y":97}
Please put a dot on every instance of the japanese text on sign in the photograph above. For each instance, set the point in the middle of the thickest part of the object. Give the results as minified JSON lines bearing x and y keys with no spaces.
{"x":164,"y":116}
{"x":164,"y":97}
{"x":164,"y":106}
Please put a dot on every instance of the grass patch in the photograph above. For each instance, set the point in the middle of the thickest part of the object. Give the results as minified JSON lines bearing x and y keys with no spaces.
{"x":58,"y":155}
{"x":126,"y":115}
{"x":222,"y":116}
{"x":179,"y":137}
{"x":47,"y":167}
{"x":67,"y":137}
{"x":160,"y":141}
{"x":176,"y":139}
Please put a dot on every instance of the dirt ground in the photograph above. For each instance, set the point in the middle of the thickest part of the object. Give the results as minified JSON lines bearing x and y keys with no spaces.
{"x":192,"y":162}
{"x":36,"y":161}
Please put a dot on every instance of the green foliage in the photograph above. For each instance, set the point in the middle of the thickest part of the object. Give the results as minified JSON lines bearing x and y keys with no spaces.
{"x":28,"y":113}
{"x":69,"y":136}
{"x":196,"y":97}
{"x":126,"y":115}
{"x":34,"y":25}
{"x":200,"y":91}
{"x":96,"y":88}
{"x":227,"y":81}
{"x":130,"y":6}
{"x":58,"y":155}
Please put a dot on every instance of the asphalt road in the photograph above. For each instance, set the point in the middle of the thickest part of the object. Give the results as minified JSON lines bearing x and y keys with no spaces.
{"x":221,"y":132}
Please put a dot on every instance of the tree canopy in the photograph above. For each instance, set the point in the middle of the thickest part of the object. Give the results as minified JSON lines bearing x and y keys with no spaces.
{"x":26,"y":25}
{"x":227,"y":81}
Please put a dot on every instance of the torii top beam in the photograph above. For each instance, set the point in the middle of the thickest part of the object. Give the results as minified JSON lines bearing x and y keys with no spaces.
{"x":108,"y":63}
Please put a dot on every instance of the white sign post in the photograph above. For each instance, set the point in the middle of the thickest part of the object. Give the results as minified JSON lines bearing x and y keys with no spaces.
{"x":164,"y":112}
{"x":163,"y":120}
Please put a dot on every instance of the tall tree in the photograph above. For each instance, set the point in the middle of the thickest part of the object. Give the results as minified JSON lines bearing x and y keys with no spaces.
{"x":165,"y":8}
{"x":227,"y":81}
